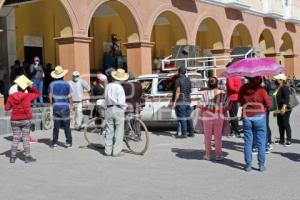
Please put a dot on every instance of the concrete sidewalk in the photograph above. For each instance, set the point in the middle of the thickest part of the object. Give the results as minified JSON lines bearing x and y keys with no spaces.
{"x":171,"y":169}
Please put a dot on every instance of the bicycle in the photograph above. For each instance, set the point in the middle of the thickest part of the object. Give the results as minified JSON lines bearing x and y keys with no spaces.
{"x":136,"y":135}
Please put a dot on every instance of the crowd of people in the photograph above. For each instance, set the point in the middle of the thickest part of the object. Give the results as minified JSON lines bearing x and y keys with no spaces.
{"x":218,"y":109}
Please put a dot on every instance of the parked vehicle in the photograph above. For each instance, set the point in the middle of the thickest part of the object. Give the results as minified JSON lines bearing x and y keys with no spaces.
{"x":157,"y":89}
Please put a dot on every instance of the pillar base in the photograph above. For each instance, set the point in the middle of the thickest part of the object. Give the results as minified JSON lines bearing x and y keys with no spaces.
{"x":74,"y":55}
{"x":139,"y":57}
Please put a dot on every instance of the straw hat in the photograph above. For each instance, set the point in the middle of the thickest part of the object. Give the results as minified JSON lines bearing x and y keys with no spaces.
{"x":280,"y":77}
{"x":59,"y":72}
{"x":120,"y":75}
{"x":76,"y":73}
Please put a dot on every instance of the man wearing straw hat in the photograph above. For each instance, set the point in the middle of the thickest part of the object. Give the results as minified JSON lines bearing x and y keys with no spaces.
{"x":115,"y":102}
{"x":60,"y":97}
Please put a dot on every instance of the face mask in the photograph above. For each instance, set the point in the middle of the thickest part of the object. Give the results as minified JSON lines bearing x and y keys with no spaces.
{"x":36,"y":62}
{"x":277,"y":83}
{"x":75,"y":79}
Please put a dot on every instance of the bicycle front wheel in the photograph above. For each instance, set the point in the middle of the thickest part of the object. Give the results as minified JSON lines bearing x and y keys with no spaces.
{"x":137,"y":138}
{"x":94,"y":133}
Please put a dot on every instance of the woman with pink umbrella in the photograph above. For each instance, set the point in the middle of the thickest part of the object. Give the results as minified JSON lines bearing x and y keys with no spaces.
{"x":255,"y":102}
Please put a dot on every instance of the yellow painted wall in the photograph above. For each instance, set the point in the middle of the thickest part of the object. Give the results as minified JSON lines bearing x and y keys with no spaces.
{"x":242,"y":39}
{"x":287,"y":45}
{"x":266,"y":43}
{"x":46,"y":19}
{"x":210,"y":38}
{"x":164,"y":41}
{"x":166,"y":36}
{"x":101,"y":29}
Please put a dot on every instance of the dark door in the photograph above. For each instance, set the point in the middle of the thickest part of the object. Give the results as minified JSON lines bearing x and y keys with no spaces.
{"x":31,"y":52}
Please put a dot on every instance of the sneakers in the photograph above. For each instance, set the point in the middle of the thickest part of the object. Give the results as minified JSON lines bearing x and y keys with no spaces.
{"x":69,"y":145}
{"x":181,"y":136}
{"x":262,"y":168}
{"x":288,"y":144}
{"x":53,"y":145}
{"x":270,"y":147}
{"x":29,"y":159}
{"x":267,"y":151}
{"x":248,"y":168}
{"x":12,"y":159}
{"x":191,"y":134}
{"x":206,"y":157}
{"x":219,"y":158}
{"x":279,"y":142}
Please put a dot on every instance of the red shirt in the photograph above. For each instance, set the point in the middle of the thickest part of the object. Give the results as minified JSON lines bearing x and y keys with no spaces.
{"x":20,"y":104}
{"x":233,"y":86}
{"x":254,"y":99}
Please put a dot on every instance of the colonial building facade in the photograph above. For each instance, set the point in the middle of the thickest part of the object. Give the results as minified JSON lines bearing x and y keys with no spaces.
{"x":76,"y":33}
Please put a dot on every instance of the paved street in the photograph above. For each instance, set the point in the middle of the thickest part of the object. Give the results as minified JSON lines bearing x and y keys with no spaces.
{"x":171,"y":169}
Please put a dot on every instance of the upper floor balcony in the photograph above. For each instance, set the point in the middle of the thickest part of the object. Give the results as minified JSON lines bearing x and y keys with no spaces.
{"x":235,"y":4}
{"x":279,"y":9}
{"x":292,"y":11}
{"x":273,"y":8}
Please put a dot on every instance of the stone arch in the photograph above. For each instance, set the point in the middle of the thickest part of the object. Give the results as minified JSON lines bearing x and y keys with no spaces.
{"x":266,"y":42}
{"x":126,"y":12}
{"x":240,"y":36}
{"x":174,"y":12}
{"x":167,"y":31}
{"x":287,"y":47}
{"x":111,"y":17}
{"x":209,"y":35}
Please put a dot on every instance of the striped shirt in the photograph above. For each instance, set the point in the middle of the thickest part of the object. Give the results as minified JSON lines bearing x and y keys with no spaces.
{"x":214,"y":101}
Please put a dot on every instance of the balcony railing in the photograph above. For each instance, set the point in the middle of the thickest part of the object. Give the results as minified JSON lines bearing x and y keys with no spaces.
{"x":273,"y":8}
{"x":236,"y":4}
{"x":294,"y":14}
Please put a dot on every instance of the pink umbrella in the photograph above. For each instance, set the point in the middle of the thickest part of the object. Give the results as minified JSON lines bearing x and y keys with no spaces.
{"x":252,"y":67}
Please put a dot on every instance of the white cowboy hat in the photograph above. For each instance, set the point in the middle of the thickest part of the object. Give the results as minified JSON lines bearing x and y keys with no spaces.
{"x":120,"y":75}
{"x":76,"y":73}
{"x":280,"y":77}
{"x":59,"y":72}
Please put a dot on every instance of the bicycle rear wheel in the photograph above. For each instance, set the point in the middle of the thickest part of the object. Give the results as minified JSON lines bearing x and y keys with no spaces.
{"x":94,"y":133}
{"x":137,"y":138}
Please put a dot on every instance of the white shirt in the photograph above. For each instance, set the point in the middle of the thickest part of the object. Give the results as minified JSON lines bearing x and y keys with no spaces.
{"x":115,"y":95}
{"x":77,"y":89}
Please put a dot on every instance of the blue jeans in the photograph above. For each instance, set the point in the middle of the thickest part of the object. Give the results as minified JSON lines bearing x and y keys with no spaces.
{"x":38,"y":83}
{"x":61,"y":118}
{"x":183,"y":113}
{"x":255,"y":127}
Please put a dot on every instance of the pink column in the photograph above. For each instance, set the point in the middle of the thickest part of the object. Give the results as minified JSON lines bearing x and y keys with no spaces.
{"x":74,"y":55}
{"x":139,"y":57}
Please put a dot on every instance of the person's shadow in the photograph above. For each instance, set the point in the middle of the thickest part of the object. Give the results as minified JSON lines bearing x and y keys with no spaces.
{"x":196,"y":154}
{"x":19,"y":155}
{"x":292,"y":156}
{"x":236,"y":146}
{"x":48,"y":141}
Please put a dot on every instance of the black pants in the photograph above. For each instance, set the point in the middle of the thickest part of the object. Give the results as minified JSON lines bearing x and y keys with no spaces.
{"x":269,"y":133}
{"x":283,"y":122}
{"x":234,"y":119}
{"x":62,"y":120}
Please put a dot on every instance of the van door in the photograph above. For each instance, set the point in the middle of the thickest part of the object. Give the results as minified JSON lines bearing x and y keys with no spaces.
{"x":147,"y":114}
